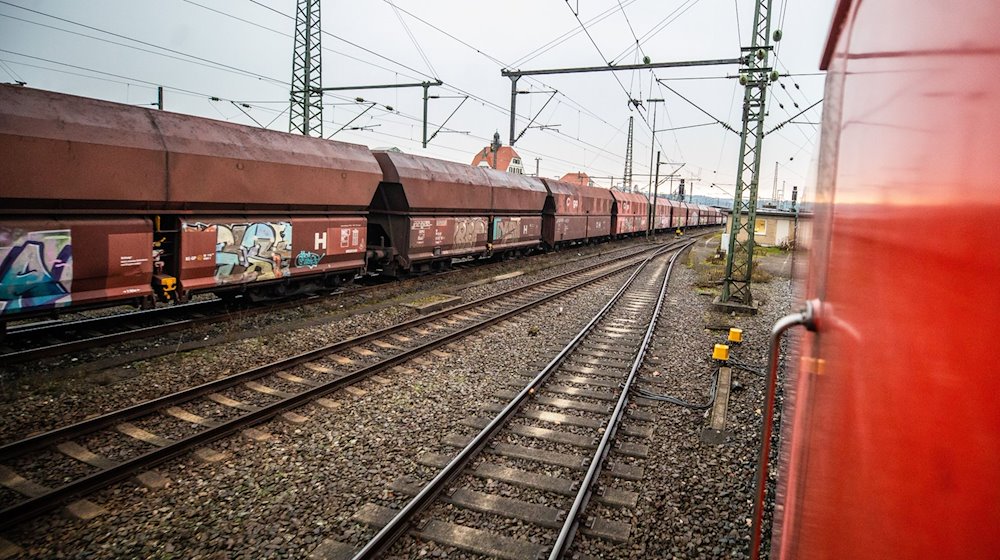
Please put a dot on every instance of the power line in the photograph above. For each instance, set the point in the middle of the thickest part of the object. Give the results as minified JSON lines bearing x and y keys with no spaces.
{"x":141,"y":42}
{"x":501,"y":63}
{"x":10,"y":71}
{"x":450,"y":87}
{"x":572,"y":32}
{"x":413,"y":40}
{"x":660,"y":26}
{"x":736,"y":9}
{"x":185,"y":57}
{"x":209,"y":64}
{"x":289,"y":35}
{"x":631,"y":101}
{"x":353,"y":44}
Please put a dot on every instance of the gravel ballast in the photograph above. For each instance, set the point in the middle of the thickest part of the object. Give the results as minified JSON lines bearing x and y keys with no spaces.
{"x":282,"y":497}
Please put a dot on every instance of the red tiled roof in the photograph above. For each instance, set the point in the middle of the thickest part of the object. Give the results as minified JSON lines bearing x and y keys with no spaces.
{"x":577,"y":178}
{"x":503,"y":157}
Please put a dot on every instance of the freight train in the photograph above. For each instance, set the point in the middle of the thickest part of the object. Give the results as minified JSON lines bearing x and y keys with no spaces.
{"x":890,"y":429}
{"x":103,"y":203}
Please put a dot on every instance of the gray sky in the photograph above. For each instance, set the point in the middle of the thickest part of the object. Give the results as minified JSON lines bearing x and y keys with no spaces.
{"x":240,"y":50}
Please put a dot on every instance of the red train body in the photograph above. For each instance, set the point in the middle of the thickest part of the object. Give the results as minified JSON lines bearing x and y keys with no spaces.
{"x":631,"y":213}
{"x":104,"y":203}
{"x":576,"y":213}
{"x":891,"y":431}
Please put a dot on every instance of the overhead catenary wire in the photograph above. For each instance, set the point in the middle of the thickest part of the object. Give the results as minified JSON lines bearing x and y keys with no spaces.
{"x":501,"y":63}
{"x":628,"y":94}
{"x":192,"y":58}
{"x":562,"y":38}
{"x":10,"y":71}
{"x":289,"y":35}
{"x":739,"y":35}
{"x":349,"y":42}
{"x":186,"y":56}
{"x":659,"y":27}
{"x":726,"y":126}
{"x":413,"y":39}
{"x":504,"y":110}
{"x":593,"y":148}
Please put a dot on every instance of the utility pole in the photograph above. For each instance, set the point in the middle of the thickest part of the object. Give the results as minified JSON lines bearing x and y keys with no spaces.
{"x":159,"y":98}
{"x":627,"y":187}
{"x":306,"y":114}
{"x":656,"y":192}
{"x":774,"y":189}
{"x":537,"y":163}
{"x":755,"y":76}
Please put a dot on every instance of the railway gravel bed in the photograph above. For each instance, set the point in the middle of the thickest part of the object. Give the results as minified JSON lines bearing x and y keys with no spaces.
{"x":54,"y":396}
{"x":283,"y":496}
{"x":280,"y":497}
{"x":696,"y":500}
{"x":241,"y":323}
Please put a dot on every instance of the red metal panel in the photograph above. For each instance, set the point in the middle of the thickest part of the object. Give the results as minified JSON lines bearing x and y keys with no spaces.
{"x":516,"y":231}
{"x":704,"y":214}
{"x":576,"y":199}
{"x":66,"y":148}
{"x":516,"y":193}
{"x":434,"y":237}
{"x":662,"y":219}
{"x":632,"y":213}
{"x":434,"y":185}
{"x":324,"y":244}
{"x":568,"y":198}
{"x":219,"y":162}
{"x":570,"y":228}
{"x":218,"y":251}
{"x":682,"y":210}
{"x":46,"y":264}
{"x":894,"y":450}
{"x":598,"y":226}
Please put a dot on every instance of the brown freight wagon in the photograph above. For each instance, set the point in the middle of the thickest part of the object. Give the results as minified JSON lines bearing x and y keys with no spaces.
{"x":516,"y":212}
{"x":662,"y":218}
{"x":112,"y":174}
{"x":426,"y":212}
{"x":631,"y":214}
{"x":575,"y":213}
{"x":54,"y":263}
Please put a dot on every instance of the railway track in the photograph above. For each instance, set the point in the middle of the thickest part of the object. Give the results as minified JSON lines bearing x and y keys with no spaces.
{"x":47,"y":339}
{"x":544,"y":455}
{"x":91,"y":455}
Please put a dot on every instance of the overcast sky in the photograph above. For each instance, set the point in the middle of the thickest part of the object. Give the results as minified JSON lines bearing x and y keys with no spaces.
{"x":241,"y":50}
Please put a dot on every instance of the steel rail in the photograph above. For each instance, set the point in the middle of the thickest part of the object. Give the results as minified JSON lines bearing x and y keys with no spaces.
{"x":568,"y":531}
{"x":54,"y":328}
{"x":401,"y":522}
{"x":84,"y":427}
{"x":34,"y":506}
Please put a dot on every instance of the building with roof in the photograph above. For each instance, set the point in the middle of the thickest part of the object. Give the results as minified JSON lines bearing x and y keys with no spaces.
{"x":772,"y":228}
{"x":578,"y":178}
{"x":504,"y":159}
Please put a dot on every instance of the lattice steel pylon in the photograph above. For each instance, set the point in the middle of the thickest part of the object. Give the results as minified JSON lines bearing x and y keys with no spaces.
{"x":627,"y":180}
{"x":306,"y":114}
{"x":754,"y":73}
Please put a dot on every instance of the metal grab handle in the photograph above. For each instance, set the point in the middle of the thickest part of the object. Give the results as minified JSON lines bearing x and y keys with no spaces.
{"x":808,"y":319}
